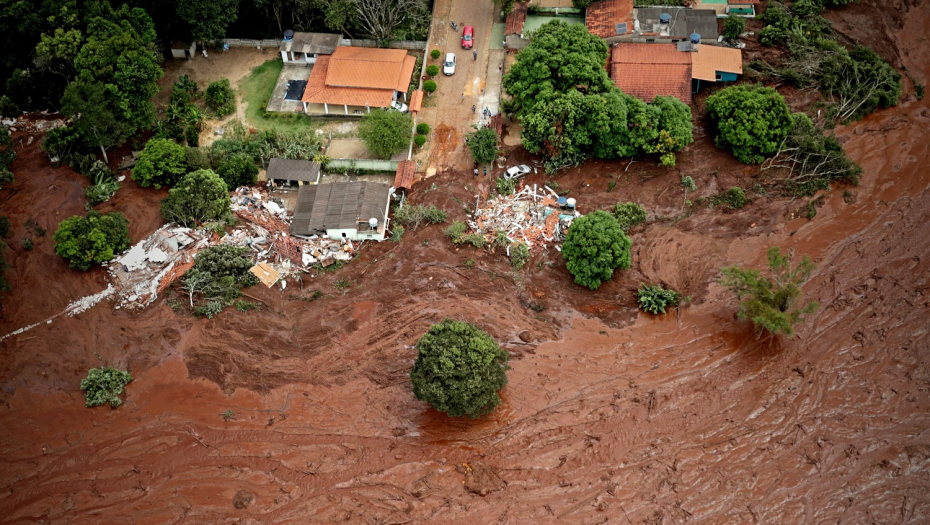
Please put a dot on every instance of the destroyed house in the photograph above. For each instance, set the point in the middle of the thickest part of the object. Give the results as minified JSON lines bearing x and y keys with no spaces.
{"x":342,"y":210}
{"x":290,"y":172}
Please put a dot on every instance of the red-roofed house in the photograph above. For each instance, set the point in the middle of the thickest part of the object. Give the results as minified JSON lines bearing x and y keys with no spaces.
{"x":609,"y":19}
{"x":360,"y":77}
{"x":647,"y":70}
{"x":513,"y":27}
{"x":406,"y":173}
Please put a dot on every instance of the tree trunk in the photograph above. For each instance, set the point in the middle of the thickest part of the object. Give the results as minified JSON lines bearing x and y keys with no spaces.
{"x":104,"y":151}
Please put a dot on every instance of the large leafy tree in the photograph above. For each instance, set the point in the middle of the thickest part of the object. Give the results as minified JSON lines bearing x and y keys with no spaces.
{"x":93,"y":239}
{"x":91,"y":117}
{"x":459,"y":369}
{"x":750,"y":121}
{"x":198,"y":197}
{"x":385,"y":132}
{"x":594,"y":247}
{"x":772,"y":302}
{"x":161,"y":163}
{"x":483,"y":145}
{"x":208,"y":19}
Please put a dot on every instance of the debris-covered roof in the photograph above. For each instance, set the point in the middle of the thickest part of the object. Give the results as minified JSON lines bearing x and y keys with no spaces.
{"x":683,"y":21}
{"x":609,"y":18}
{"x":531,"y":215}
{"x":313,"y":43}
{"x":287,"y":169}
{"x":406,"y":172}
{"x":340,"y":205}
{"x":516,"y":19}
{"x":647,"y":70}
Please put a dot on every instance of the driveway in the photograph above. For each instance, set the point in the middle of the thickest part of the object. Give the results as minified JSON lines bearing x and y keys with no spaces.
{"x":449,"y":110}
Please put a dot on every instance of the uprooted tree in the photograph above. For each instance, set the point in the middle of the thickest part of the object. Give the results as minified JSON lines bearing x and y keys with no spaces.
{"x":459,"y":369}
{"x":594,"y":247}
{"x":772,"y":302}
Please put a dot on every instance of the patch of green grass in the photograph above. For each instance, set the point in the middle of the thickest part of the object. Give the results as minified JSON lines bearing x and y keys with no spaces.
{"x":256,"y":90}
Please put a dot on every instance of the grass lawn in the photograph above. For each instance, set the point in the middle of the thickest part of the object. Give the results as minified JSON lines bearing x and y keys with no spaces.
{"x":256,"y":89}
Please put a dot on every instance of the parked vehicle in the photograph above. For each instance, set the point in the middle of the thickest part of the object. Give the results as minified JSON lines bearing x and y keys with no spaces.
{"x":516,"y":171}
{"x":448,"y":67}
{"x":399,"y":106}
{"x":468,"y":37}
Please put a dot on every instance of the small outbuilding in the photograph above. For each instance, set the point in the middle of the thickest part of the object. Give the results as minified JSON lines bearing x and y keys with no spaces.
{"x":304,"y":48}
{"x":183,"y":50}
{"x":355,"y":211}
{"x":293,"y":172}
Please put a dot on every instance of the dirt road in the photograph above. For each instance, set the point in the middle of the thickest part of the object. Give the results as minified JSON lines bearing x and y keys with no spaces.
{"x":609,"y":417}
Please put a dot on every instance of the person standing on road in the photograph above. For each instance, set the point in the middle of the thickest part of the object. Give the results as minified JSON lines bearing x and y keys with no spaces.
{"x":474,"y":53}
{"x":485,"y":172}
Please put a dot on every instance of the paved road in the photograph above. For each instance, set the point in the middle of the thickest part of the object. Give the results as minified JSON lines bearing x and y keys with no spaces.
{"x":476,"y":81}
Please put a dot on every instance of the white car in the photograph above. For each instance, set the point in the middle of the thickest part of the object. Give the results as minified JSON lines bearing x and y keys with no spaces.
{"x":399,"y":106}
{"x":516,"y":171}
{"x":448,"y":67}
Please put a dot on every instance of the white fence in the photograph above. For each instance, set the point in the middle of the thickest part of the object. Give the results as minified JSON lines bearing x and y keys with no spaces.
{"x":276,"y":42}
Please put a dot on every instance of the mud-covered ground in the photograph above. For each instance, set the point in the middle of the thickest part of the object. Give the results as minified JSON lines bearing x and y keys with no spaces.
{"x":610,"y":416}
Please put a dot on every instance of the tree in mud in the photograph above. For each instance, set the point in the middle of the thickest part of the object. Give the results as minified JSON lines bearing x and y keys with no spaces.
{"x":773,"y":303}
{"x":161,"y":163}
{"x":459,"y":369}
{"x":750,"y":121}
{"x":385,"y":132}
{"x":594,"y":247}
{"x":483,"y":145}
{"x":91,"y":117}
{"x":93,"y":239}
{"x":199,"y":197}
{"x":104,"y":386}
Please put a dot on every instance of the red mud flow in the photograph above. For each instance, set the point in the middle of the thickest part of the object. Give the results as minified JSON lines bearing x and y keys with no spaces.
{"x":609,"y":416}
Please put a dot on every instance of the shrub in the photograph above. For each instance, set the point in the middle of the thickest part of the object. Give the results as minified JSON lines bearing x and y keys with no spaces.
{"x":199,"y":197}
{"x":422,"y":128}
{"x":432,"y":70}
{"x":475,"y":239}
{"x":750,"y":121}
{"x":435,"y":54}
{"x":397,"y":232}
{"x":412,"y":215}
{"x":192,"y":136}
{"x":456,"y":231}
{"x":225,"y":260}
{"x":27,"y":243}
{"x":4,"y":226}
{"x":734,"y":27}
{"x":385,"y":132}
{"x":594,"y":247}
{"x":104,"y":386}
{"x":734,"y":198}
{"x":238,"y":170}
{"x":161,"y":163}
{"x":220,"y":98}
{"x":773,"y":302}
{"x":6,"y":177}
{"x":430,"y":87}
{"x":653,"y":299}
{"x":519,"y":255}
{"x":103,"y":188}
{"x":92,"y":239}
{"x":483,"y":145}
{"x":812,"y":159}
{"x":628,"y":214}
{"x":459,"y":369}
{"x":195,"y":159}
{"x":505,"y":186}
{"x":419,"y":140}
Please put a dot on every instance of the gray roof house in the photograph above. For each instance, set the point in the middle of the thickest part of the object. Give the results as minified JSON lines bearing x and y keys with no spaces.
{"x":343,"y":210}
{"x":671,"y":24}
{"x":303,"y":48}
{"x":286,"y":171}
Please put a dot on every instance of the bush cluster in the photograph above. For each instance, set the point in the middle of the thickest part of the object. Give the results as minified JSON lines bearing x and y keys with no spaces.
{"x":104,"y":386}
{"x":654,"y":299}
{"x":92,"y":239}
{"x":594,"y":247}
{"x":220,"y":98}
{"x":628,"y":214}
{"x":411,"y":215}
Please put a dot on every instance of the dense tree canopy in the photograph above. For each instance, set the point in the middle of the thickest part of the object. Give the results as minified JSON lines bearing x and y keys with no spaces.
{"x":750,"y":121}
{"x":459,"y":369}
{"x":208,"y":19}
{"x":594,"y":247}
{"x":197,"y":198}
{"x":483,"y":145}
{"x":161,"y":163}
{"x":385,"y":132}
{"x":96,"y":238}
{"x":88,"y":107}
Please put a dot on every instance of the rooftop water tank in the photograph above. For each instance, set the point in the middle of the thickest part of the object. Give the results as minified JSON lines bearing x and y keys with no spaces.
{"x":695,"y":38}
{"x":289,"y":35}
{"x":665,"y":18}
{"x":373,"y":223}
{"x":570,"y":202}
{"x":562,"y":201}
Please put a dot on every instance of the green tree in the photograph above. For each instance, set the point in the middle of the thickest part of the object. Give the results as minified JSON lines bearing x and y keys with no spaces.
{"x":160,"y":163}
{"x":773,"y":302}
{"x":430,"y":87}
{"x":208,"y":19}
{"x":483,"y":144}
{"x":385,"y":132}
{"x":459,"y":369}
{"x":435,"y":54}
{"x":594,"y":247}
{"x":89,"y":109}
{"x":197,"y":198}
{"x":7,"y":152}
{"x":628,"y":214}
{"x":104,"y":386}
{"x":432,"y":70}
{"x":750,"y":121}
{"x":422,"y":128}
{"x":226,"y":260}
{"x":238,"y":170}
{"x":733,"y":27}
{"x":220,"y":97}
{"x":93,"y":239}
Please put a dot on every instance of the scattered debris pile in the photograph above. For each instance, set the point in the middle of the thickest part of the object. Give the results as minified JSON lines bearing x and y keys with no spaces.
{"x":531,"y":215}
{"x":34,"y":122}
{"x":154,"y":263}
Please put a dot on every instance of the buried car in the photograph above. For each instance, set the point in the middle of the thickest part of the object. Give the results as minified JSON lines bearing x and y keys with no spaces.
{"x":517,"y":171}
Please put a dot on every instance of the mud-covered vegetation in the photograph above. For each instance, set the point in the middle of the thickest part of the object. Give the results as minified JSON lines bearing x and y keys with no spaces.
{"x":104,"y":385}
{"x":92,"y":239}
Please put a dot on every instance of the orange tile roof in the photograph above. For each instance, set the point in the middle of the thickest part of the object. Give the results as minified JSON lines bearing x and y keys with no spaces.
{"x":601,"y":17}
{"x":406,"y":172}
{"x":516,"y":19}
{"x":363,"y":67}
{"x":416,"y":101}
{"x":406,"y":71}
{"x":318,"y":92}
{"x":647,"y":70}
{"x":707,"y":60}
